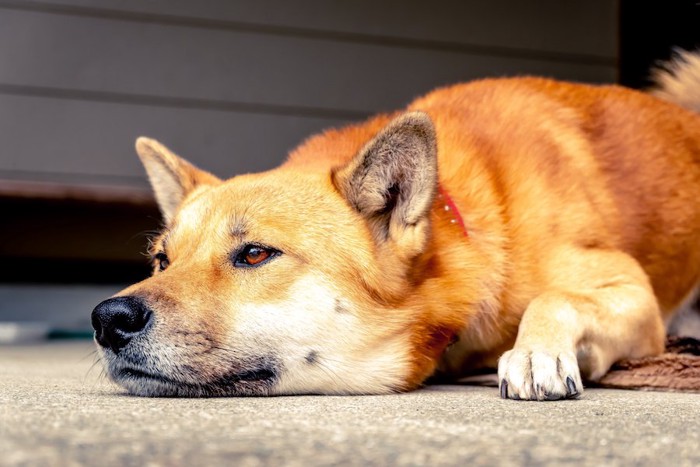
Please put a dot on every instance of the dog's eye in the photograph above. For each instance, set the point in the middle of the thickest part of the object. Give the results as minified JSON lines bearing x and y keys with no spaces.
{"x":253,"y":255}
{"x":161,"y":260}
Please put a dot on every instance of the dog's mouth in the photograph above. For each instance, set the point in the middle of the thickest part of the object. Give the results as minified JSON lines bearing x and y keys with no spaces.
{"x":134,"y":373}
{"x":250,"y":376}
{"x":256,"y":381}
{"x":261,"y":374}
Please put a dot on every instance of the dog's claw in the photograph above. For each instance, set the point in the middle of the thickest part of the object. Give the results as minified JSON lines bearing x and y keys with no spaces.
{"x":504,"y":389}
{"x":539,"y":375}
{"x":571,"y":387}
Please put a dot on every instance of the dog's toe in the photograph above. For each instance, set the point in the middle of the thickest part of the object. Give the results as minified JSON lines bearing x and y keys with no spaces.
{"x":539,"y":375}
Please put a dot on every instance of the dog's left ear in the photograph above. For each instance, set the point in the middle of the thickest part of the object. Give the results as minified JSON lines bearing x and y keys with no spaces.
{"x":171,"y":177}
{"x":392,"y":182}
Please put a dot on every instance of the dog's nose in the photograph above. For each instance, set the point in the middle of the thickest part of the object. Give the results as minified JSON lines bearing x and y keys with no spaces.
{"x":118,"y":320}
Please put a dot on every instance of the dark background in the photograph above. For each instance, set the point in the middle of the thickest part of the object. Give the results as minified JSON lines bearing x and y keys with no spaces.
{"x":650,"y":30}
{"x":234,"y":85}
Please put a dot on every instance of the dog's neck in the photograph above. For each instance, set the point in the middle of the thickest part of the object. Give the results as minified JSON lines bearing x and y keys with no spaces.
{"x":449,"y":206}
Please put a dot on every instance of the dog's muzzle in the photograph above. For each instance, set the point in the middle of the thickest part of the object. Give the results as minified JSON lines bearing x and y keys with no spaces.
{"x":145,"y":367}
{"x":118,"y":320}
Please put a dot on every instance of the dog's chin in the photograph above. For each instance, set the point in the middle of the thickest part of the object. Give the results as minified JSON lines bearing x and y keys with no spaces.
{"x":255,"y":382}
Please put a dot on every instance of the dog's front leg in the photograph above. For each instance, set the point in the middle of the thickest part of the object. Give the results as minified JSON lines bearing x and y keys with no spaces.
{"x":598,"y":308}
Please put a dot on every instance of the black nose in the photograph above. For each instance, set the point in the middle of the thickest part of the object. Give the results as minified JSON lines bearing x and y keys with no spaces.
{"x":118,"y":320}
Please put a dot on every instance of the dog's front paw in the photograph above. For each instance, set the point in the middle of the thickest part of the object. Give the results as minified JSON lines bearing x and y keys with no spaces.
{"x":539,"y":375}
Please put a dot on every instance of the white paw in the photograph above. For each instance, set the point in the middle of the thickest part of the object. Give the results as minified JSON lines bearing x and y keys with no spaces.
{"x":539,"y":375}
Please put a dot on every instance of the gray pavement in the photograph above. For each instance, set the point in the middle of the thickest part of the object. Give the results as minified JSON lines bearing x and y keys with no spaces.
{"x":54,"y":410}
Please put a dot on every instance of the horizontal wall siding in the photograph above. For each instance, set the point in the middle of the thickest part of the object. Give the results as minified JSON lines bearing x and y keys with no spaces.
{"x":161,"y":60}
{"x":235,"y":84}
{"x":563,"y":28}
{"x":74,"y":141}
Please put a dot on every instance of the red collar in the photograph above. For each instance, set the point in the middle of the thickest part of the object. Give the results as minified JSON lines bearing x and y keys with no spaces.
{"x":449,"y":205}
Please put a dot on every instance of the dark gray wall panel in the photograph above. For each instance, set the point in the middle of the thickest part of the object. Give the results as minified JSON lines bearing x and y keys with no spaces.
{"x":58,"y":51}
{"x":75,"y":142}
{"x":235,"y":84}
{"x":562,"y":26}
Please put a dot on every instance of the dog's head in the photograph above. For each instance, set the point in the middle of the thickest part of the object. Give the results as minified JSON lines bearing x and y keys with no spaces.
{"x":283,"y":282}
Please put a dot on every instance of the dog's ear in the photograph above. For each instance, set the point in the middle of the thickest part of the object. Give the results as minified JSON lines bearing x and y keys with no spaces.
{"x":392,"y":182}
{"x":171,"y":177}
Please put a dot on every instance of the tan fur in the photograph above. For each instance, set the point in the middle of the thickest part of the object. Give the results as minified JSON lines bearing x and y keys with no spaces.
{"x":679,"y":80}
{"x":171,"y":177}
{"x":581,"y":205}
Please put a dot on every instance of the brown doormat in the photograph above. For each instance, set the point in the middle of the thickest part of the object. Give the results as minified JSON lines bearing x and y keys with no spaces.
{"x":678,"y":369}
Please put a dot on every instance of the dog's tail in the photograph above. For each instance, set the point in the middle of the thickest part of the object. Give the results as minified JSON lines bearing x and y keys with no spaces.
{"x":678,"y":80}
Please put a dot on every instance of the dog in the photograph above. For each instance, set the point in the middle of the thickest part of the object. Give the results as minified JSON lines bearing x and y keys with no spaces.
{"x":541,"y":228}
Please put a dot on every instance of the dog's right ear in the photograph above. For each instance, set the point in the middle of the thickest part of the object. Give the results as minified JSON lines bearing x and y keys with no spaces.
{"x":171,"y":177}
{"x":392,"y":182}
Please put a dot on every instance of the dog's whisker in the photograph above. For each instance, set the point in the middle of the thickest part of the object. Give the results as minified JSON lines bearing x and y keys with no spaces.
{"x":88,"y":355}
{"x":149,"y":234}
{"x":92,"y":367}
{"x":335,"y":377}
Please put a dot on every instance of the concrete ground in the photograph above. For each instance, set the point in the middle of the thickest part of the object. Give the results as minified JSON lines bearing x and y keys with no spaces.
{"x":55,"y":410}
